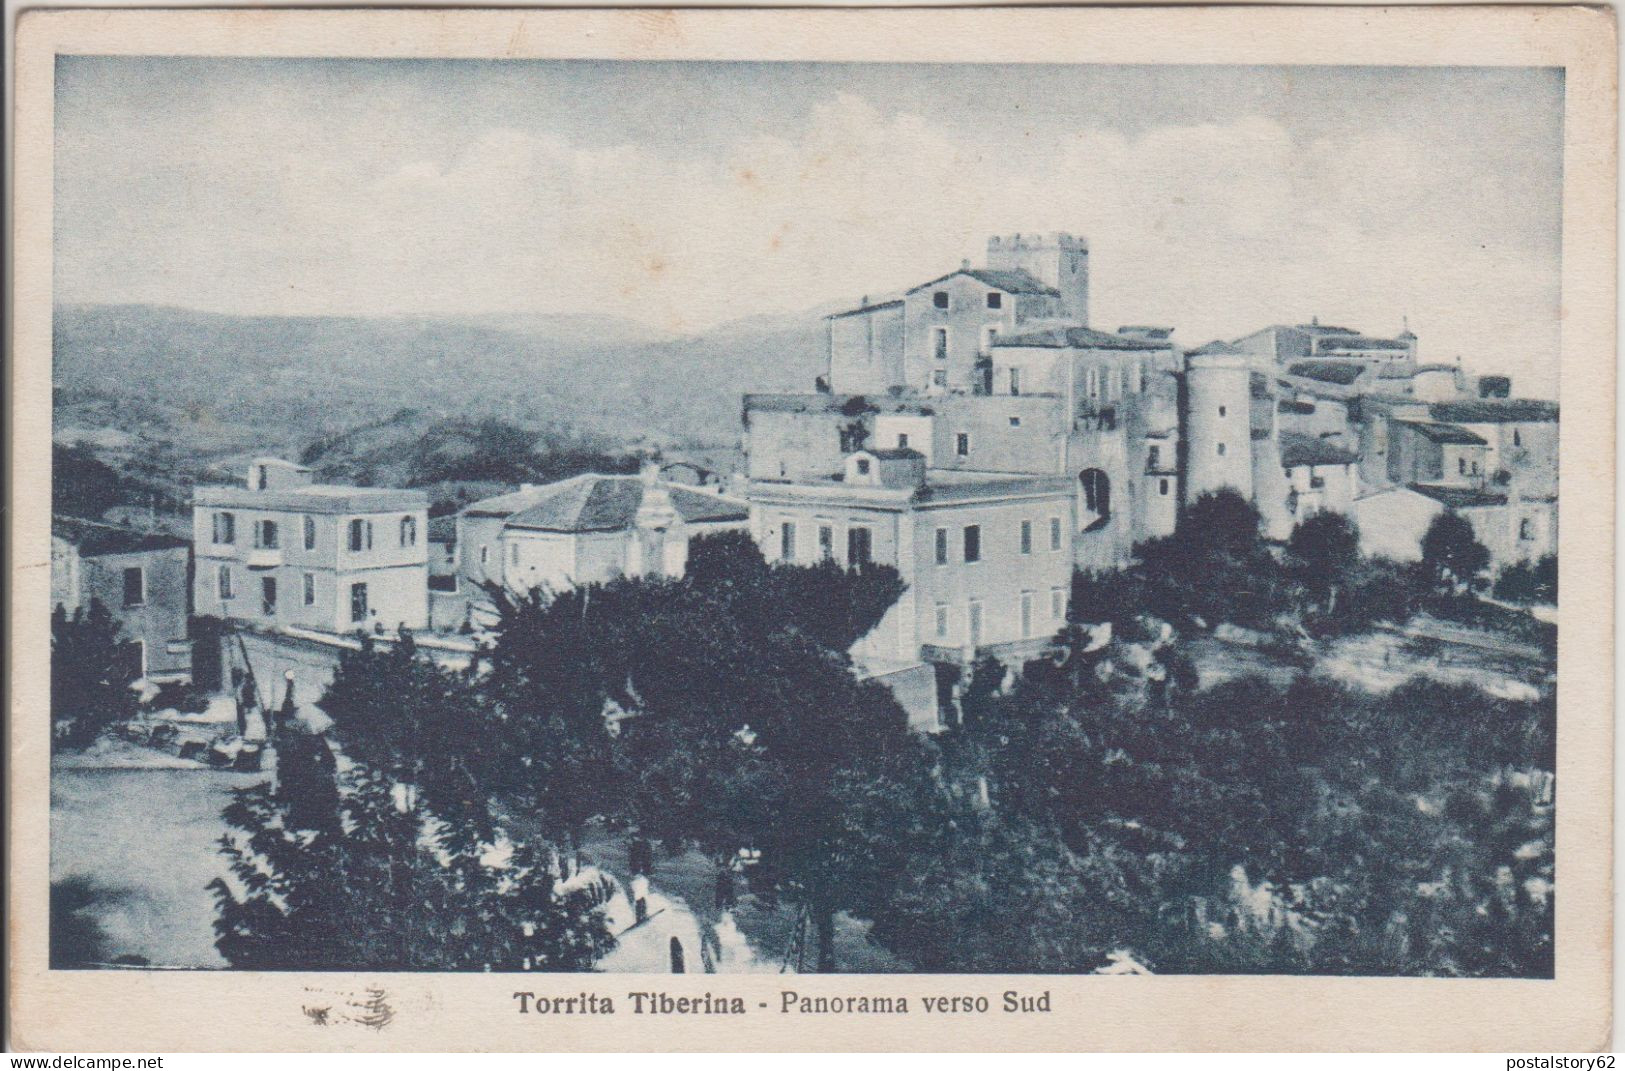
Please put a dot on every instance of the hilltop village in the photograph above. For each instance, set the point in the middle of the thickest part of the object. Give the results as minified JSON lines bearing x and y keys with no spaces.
{"x":998,"y":595}
{"x":976,"y":432}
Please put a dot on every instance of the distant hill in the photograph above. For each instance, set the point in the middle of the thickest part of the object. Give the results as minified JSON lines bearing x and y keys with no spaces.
{"x":214,"y":381}
{"x":413,"y":449}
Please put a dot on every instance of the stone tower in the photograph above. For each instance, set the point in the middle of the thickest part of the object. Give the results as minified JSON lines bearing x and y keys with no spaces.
{"x":1061,"y":260}
{"x":1218,"y":432}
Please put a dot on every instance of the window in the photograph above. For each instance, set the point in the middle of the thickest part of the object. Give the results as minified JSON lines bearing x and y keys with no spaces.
{"x":973,"y":542}
{"x":990,"y":335}
{"x":1015,"y":381}
{"x":962,"y":444}
{"x":995,"y":300}
{"x":859,"y":546}
{"x":942,"y":546}
{"x":1517,"y":439}
{"x":1461,"y":465}
{"x":1097,"y":496}
{"x":513,"y":553}
{"x":310,"y":533}
{"x":1141,"y":372}
{"x":1015,"y":422}
{"x":409,"y":531}
{"x":1221,"y":410}
{"x":358,"y":603}
{"x":973,"y":619}
{"x":940,"y":299}
{"x":902,"y":440}
{"x":863,"y":466}
{"x":310,"y":589}
{"x":939,"y":343}
{"x":223,"y":582}
{"x":1055,"y":533}
{"x":939,"y":378}
{"x":942,"y":620}
{"x":1220,"y":449}
{"x":485,"y":555}
{"x":1153,"y":458}
{"x":259,"y":477}
{"x":1026,"y":614}
{"x":135,"y":586}
{"x":787,"y":541}
{"x":1526,"y":529}
{"x":1057,"y":603}
{"x":225,"y":528}
{"x":1026,"y":537}
{"x":268,"y":596}
{"x":360,"y":535}
{"x":1091,"y":381}
{"x":1136,"y":378}
{"x":1162,"y":487}
{"x":266,"y":535}
{"x":826,"y":541}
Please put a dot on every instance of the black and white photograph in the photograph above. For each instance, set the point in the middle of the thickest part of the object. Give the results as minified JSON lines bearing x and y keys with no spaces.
{"x":804,"y":517}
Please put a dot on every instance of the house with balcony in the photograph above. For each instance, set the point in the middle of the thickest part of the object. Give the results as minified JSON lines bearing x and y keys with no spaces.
{"x":282,"y":550}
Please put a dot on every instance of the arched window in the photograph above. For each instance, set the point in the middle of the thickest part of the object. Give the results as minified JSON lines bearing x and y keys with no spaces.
{"x":409,"y":531}
{"x":1097,"y":498}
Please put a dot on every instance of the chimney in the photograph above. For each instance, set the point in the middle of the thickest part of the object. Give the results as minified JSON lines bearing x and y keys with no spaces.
{"x":964,"y":265}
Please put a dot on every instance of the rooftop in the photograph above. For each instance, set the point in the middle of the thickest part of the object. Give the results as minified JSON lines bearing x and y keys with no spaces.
{"x":1460,"y":497}
{"x":868,"y":306}
{"x":1298,"y":449}
{"x":1450,"y":434}
{"x":313,"y":498}
{"x":1496,"y":411}
{"x":1081,"y":338}
{"x":1362,"y":342}
{"x":597,"y":503}
{"x":94,"y":538}
{"x":1341,"y":373}
{"x":895,"y":453}
{"x":1011,"y":282}
{"x":1217,"y":346}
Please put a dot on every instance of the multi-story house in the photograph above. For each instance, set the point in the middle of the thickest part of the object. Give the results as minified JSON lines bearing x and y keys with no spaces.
{"x":985,"y":557}
{"x":140,"y":577}
{"x":283,"y":550}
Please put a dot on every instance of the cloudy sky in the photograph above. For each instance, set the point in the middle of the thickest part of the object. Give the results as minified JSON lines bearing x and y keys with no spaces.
{"x":1215,"y":199}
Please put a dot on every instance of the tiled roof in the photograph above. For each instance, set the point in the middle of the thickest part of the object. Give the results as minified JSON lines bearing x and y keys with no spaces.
{"x":1082,"y":338}
{"x":873,"y":306}
{"x":1218,"y":346}
{"x":1340,"y":372}
{"x":597,"y":503}
{"x":1011,"y":282}
{"x":1445,"y":433}
{"x":1298,"y":449}
{"x":1362,"y":342}
{"x":1460,"y":497}
{"x":894,"y":453}
{"x":313,"y":498}
{"x":93,"y":538}
{"x":1145,"y":331}
{"x":1495,"y":411}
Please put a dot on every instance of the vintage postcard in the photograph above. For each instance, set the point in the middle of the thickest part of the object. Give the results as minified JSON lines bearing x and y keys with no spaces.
{"x":908,"y":529}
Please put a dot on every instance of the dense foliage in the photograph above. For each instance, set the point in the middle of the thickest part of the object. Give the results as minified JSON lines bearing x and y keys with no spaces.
{"x":346,"y":871}
{"x":1094,"y":806}
{"x":1245,"y":828}
{"x":90,"y":675}
{"x":1529,"y":582}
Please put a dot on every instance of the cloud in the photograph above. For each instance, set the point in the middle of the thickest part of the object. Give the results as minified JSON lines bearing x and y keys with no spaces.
{"x":1214,"y":227}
